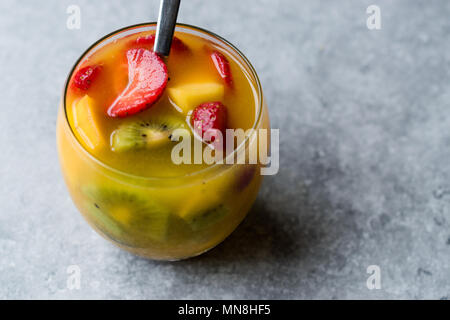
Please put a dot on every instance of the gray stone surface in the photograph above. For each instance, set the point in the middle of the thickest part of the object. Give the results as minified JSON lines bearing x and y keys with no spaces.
{"x":365,"y":148}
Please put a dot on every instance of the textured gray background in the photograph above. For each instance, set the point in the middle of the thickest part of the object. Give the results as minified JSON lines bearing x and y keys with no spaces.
{"x":365,"y":172}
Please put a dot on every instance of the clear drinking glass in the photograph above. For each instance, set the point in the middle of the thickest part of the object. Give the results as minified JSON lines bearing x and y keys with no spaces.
{"x":234,"y":187}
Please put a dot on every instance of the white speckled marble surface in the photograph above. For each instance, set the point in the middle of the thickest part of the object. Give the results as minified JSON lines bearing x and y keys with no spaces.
{"x":364,"y":120}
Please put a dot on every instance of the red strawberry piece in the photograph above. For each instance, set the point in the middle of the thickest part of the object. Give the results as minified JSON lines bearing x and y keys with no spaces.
{"x":149,"y":41}
{"x":147,"y":79}
{"x":207,"y":116}
{"x":223,"y":67}
{"x":178,"y":45}
{"x":146,"y":40}
{"x":85,"y":76}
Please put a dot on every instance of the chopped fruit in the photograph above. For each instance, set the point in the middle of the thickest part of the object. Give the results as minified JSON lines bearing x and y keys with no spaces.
{"x":209,"y":116}
{"x":145,"y":134}
{"x":126,"y":216}
{"x":206,"y":218}
{"x":178,"y":45}
{"x":187,"y":97}
{"x":146,"y":40}
{"x":85,"y":76}
{"x":147,"y":79}
{"x":203,"y":209}
{"x":223,"y":67}
{"x":86,"y":122}
{"x":149,"y":41}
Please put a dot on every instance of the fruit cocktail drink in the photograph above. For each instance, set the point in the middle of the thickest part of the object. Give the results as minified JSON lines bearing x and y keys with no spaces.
{"x":119,"y":122}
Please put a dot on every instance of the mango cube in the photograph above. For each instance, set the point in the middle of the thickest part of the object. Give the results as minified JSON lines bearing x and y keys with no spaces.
{"x":86,"y":124}
{"x":189,"y":96}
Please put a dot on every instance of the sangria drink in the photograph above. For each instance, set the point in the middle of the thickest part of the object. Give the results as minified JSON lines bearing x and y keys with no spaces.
{"x":120,"y":119}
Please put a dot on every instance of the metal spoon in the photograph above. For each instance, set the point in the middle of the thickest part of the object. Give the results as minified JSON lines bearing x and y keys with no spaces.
{"x":168,"y":12}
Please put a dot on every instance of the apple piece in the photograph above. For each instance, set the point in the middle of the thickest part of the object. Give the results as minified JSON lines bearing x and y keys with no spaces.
{"x":189,"y":96}
{"x":86,"y":123}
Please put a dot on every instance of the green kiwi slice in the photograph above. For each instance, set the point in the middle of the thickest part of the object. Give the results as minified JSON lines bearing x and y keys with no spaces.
{"x":143,"y":134}
{"x":207,"y":218}
{"x":128,"y":218}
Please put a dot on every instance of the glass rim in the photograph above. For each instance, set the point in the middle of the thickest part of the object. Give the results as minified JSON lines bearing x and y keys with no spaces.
{"x":187,"y":175}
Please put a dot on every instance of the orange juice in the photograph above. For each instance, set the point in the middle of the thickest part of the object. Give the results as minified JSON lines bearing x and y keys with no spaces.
{"x":119,"y":170}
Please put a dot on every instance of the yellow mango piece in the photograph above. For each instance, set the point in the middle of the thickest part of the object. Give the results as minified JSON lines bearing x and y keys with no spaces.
{"x":86,"y":124}
{"x":189,"y":96}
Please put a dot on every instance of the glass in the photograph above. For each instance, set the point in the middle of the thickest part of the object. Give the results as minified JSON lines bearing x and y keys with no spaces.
{"x":235,"y":186}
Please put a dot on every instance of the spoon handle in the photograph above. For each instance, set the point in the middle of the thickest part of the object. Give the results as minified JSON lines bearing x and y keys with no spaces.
{"x":168,"y":12}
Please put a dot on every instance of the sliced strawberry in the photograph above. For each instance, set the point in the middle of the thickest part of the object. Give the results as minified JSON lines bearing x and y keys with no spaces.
{"x":178,"y":45}
{"x":85,"y":76}
{"x":223,"y":67}
{"x":207,"y":116}
{"x":146,"y":40}
{"x":149,"y":41}
{"x":147,"y":79}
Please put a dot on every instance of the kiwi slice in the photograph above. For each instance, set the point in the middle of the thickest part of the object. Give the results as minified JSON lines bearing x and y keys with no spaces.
{"x":128,"y":218}
{"x":105,"y":223}
{"x":207,"y":218}
{"x":142,"y":134}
